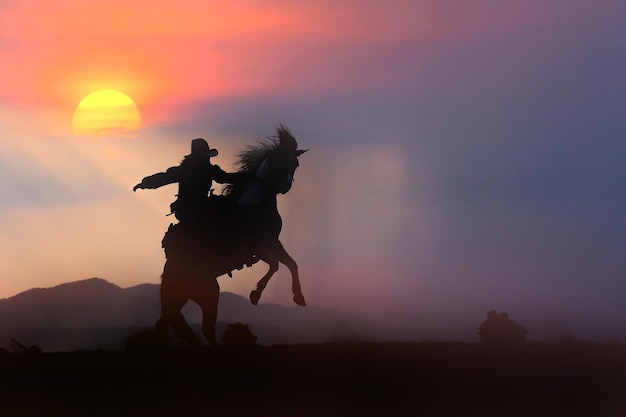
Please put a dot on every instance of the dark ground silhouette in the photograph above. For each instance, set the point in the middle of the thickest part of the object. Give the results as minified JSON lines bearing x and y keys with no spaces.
{"x":94,"y":314}
{"x":384,"y":379}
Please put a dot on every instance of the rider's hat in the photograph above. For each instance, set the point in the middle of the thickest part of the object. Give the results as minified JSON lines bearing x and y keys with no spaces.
{"x":200,"y":146}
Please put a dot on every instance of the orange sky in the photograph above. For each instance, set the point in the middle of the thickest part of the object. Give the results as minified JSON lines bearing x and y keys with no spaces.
{"x":164,"y":53}
{"x":159,"y":53}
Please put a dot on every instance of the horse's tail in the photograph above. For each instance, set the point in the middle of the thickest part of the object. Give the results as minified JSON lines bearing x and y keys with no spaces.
{"x":183,"y":239}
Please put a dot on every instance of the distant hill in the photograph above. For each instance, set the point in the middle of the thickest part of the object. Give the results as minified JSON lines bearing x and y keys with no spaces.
{"x":95,"y":314}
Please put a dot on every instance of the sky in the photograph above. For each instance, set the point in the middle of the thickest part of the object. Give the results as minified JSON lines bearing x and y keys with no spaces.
{"x":464,"y":156}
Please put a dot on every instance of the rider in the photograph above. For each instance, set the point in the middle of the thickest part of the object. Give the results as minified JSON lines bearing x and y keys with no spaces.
{"x":195,"y":176}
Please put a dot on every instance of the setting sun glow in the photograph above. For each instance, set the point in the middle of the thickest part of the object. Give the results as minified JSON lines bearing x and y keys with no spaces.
{"x":107,"y":113}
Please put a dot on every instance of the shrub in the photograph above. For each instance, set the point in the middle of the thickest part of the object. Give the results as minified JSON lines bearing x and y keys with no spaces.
{"x":238,"y":335}
{"x":499,"y":329}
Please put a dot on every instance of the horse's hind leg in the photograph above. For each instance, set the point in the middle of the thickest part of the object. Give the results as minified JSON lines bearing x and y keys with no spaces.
{"x":162,"y":326}
{"x":208,"y":298}
{"x":182,"y":329}
{"x":172,"y":302}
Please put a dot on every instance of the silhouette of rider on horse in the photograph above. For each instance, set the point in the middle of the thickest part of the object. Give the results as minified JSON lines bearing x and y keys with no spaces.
{"x":195,"y":176}
{"x":217,"y":234}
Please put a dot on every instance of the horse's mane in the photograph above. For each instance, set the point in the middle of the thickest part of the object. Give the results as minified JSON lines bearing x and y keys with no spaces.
{"x":249,"y":160}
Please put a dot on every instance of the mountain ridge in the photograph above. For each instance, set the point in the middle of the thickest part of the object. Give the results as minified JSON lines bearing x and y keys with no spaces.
{"x":96,"y":314}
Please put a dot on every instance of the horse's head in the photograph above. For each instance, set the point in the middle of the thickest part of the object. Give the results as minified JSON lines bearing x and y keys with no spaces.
{"x":279,"y":167}
{"x":270,"y":167}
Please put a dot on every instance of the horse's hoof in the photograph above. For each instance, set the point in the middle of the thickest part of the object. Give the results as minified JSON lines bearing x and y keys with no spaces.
{"x":299,"y":299}
{"x":254,"y":297}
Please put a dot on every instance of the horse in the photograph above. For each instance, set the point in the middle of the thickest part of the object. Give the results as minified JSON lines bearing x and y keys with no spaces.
{"x":247,"y":230}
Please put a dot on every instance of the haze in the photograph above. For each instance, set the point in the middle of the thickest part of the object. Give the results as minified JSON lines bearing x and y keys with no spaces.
{"x":464,"y":156}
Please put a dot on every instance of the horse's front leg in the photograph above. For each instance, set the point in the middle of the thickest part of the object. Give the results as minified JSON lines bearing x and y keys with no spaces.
{"x":283,"y":257}
{"x":268,"y":258}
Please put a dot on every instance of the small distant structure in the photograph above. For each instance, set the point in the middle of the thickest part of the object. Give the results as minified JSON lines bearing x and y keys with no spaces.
{"x":498,"y":329}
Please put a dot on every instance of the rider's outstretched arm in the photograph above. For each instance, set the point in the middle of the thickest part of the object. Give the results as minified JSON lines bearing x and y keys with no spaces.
{"x":160,"y":179}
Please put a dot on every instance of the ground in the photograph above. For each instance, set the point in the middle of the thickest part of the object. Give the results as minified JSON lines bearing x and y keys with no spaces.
{"x":353,"y":379}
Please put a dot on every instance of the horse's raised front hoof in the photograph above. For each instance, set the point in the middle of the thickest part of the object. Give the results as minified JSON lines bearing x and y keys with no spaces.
{"x":255,"y":296}
{"x":299,"y":299}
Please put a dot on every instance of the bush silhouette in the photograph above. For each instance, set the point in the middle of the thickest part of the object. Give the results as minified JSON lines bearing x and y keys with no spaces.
{"x":499,"y":329}
{"x":238,"y":335}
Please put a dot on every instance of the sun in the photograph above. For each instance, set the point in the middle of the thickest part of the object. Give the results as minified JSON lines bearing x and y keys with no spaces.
{"x":107,"y":113}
